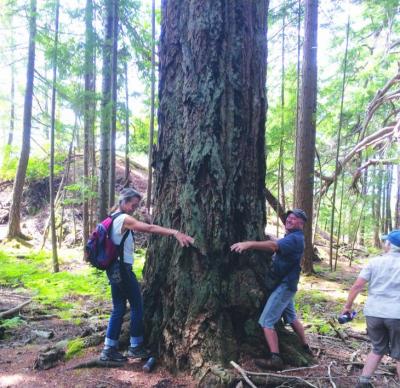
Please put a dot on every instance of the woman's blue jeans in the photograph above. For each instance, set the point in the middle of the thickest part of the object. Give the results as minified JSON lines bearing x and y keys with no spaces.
{"x":124,"y":287}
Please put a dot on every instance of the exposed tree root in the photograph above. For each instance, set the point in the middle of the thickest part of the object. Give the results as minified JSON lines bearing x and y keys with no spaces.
{"x":97,"y":363}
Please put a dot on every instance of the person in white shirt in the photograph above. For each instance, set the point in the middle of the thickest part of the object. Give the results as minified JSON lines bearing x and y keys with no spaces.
{"x":124,"y":285}
{"x":382,"y":308}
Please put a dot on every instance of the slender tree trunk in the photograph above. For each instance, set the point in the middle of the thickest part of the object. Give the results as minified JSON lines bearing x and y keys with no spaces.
{"x":89,"y":114}
{"x":105,"y":125}
{"x":338,"y":148}
{"x":114,"y":88}
{"x":52,"y":135}
{"x":281,"y":185}
{"x":92,"y":142}
{"x":60,"y":192}
{"x":127,"y":165}
{"x":297,"y":86}
{"x":388,"y":207}
{"x":12,"y":106}
{"x":377,"y":208}
{"x":364,"y":193}
{"x":305,"y":141}
{"x":397,"y":209}
{"x":14,"y":227}
{"x":202,"y":303}
{"x":152,"y":108}
{"x":339,"y":224}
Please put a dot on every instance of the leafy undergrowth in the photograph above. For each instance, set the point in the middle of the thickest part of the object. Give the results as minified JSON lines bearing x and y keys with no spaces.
{"x":321,"y":298}
{"x":65,"y":291}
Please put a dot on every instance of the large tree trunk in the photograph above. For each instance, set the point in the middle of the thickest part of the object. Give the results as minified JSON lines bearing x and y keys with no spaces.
{"x":202,"y":303}
{"x":14,"y":227}
{"x":305,"y":141}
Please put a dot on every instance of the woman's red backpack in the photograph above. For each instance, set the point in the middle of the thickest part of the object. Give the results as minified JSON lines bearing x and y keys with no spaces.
{"x":100,"y":250}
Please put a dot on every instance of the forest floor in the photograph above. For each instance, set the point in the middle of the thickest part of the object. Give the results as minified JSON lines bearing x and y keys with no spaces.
{"x":339,"y":350}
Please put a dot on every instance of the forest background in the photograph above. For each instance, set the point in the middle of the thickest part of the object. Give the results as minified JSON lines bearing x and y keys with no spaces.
{"x":77,"y":102}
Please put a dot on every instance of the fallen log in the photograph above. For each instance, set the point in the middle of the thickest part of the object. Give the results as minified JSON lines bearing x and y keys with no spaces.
{"x":14,"y":310}
{"x":51,"y":355}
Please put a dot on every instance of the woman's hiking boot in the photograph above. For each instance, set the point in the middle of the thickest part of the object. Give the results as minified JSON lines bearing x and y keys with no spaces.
{"x":274,"y":362}
{"x":308,"y":350}
{"x":137,"y":352}
{"x":111,"y":354}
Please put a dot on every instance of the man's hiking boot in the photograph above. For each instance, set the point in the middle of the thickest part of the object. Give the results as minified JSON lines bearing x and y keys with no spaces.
{"x":364,"y":385}
{"x":273,"y":363}
{"x":137,"y":352}
{"x":308,"y":350}
{"x":111,"y":354}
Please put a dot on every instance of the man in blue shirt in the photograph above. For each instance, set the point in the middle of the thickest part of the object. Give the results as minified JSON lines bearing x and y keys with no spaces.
{"x":288,"y":252}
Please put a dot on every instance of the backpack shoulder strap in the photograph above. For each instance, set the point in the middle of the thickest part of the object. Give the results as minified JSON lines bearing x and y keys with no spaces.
{"x":115,"y":215}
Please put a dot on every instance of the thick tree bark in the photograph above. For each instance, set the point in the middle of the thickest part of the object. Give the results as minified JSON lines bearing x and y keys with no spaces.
{"x":202,"y":303}
{"x":305,"y":141}
{"x":14,"y":227}
{"x":105,"y":125}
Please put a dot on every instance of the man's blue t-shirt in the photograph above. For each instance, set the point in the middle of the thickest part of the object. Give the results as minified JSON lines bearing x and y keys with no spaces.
{"x":288,"y":257}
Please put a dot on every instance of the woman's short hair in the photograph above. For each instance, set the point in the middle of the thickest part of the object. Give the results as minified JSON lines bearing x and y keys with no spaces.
{"x":127,"y":194}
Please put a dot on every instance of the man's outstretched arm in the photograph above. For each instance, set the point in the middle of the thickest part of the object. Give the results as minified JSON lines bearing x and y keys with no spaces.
{"x":270,"y":246}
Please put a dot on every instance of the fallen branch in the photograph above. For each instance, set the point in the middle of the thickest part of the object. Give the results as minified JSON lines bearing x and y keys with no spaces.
{"x":14,"y":310}
{"x":352,"y":358}
{"x":330,"y":376}
{"x":338,"y":332}
{"x":243,"y":373}
{"x":38,"y":317}
{"x":280,"y":376}
{"x":302,"y":368}
{"x":357,"y":336}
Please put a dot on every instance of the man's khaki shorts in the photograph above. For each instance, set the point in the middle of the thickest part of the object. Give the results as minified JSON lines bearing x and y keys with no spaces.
{"x":384,"y":334}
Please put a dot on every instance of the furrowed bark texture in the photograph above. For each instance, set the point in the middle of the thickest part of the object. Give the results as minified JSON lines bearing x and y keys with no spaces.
{"x":202,"y":303}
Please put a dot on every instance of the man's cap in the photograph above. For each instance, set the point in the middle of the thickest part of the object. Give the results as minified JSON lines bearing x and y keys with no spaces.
{"x":298,"y":213}
{"x":393,"y":237}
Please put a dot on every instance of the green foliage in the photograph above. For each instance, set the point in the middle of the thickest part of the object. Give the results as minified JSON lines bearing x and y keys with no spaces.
{"x":62,"y":290}
{"x":140,"y":258}
{"x":38,"y":168}
{"x":74,"y":348}
{"x":140,"y":136}
{"x":13,"y":323}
